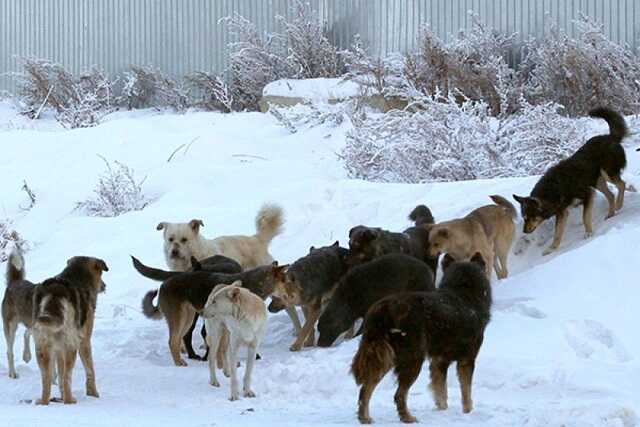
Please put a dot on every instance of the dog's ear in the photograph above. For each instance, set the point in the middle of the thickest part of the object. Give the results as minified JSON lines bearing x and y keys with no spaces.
{"x":161,"y":226}
{"x":447,"y":260}
{"x":195,"y":224}
{"x":478,"y":259}
{"x":444,"y":233}
{"x":519,"y":199}
{"x":336,"y":243}
{"x":278,"y":272}
{"x":234,"y":293}
{"x":311,"y":249}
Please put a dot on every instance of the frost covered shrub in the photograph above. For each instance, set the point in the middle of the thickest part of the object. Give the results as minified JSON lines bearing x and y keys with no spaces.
{"x":583,"y":72}
{"x":117,"y":192}
{"x":449,"y":139}
{"x":309,"y":115}
{"x":146,"y":87}
{"x":9,"y":239}
{"x":77,"y":101}
{"x":210,"y":92}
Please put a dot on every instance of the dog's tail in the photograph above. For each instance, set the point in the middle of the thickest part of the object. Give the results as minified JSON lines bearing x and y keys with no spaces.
{"x":153,"y":273}
{"x":499,"y":200}
{"x":150,"y":310}
{"x":269,"y":222}
{"x":15,"y":267}
{"x":421,"y":215}
{"x":375,"y":356}
{"x":617,"y":126}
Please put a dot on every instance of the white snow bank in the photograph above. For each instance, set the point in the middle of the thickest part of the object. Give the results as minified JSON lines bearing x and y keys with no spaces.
{"x":321,"y":89}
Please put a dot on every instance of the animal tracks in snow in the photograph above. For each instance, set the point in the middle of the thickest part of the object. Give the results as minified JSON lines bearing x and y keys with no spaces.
{"x":592,"y":340}
{"x":518,"y":306}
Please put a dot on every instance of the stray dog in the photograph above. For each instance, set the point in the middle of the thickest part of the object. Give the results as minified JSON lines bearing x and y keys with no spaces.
{"x":309,"y":282}
{"x":444,"y":326}
{"x":244,"y":315}
{"x":182,"y":296}
{"x":214,"y":264}
{"x":183,"y":241}
{"x":63,"y":315}
{"x":365,"y":284}
{"x":367,"y":243}
{"x":17,"y":308}
{"x":488,"y":230}
{"x":600,"y":160}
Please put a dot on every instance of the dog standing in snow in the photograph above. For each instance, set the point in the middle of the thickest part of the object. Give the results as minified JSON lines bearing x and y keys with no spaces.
{"x":183,"y":241}
{"x":244,"y":315}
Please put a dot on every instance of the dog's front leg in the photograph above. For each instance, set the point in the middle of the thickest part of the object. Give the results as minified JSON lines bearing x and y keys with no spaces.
{"x":232,"y":355}
{"x":26,"y":349}
{"x":87,"y":362}
{"x":251,"y":359}
{"x":309,"y":325}
{"x":561,"y":223}
{"x":213,"y":339}
{"x":293,"y":315}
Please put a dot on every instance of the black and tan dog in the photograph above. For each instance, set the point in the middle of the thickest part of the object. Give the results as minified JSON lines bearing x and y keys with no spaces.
{"x":445,"y":326}
{"x":182,"y":296}
{"x":365,"y":284}
{"x":214,"y":264}
{"x":367,"y":243}
{"x":63,"y":316}
{"x":572,"y":181}
{"x":308,"y":283}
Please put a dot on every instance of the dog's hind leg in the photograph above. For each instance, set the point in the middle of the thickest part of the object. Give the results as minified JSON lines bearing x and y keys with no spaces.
{"x":223,"y":349}
{"x":587,"y":214}
{"x":188,"y":338}
{"x":364,"y":397}
{"x":65,"y":368}
{"x":621,"y":186}
{"x":45,"y":362}
{"x":561,"y":223}
{"x":465,"y":375}
{"x":176,"y":328}
{"x":604,"y":189}
{"x":293,"y":315}
{"x":409,"y":371}
{"x":26,"y":348}
{"x":10,"y":328}
{"x":438,"y":369}
{"x":251,"y":359}
{"x":232,"y":356}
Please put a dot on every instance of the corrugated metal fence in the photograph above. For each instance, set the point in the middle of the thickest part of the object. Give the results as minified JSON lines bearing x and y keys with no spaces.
{"x":179,"y":36}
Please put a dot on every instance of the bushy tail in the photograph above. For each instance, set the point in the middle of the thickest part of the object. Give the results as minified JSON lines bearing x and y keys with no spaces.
{"x":150,"y":310}
{"x":153,"y":273}
{"x":421,"y":215}
{"x":375,"y":356}
{"x":15,"y":267}
{"x":269,"y":222}
{"x":499,"y":200}
{"x":617,"y":126}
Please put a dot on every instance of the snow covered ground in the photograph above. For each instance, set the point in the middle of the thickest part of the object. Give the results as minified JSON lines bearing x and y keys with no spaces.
{"x":563,"y":348}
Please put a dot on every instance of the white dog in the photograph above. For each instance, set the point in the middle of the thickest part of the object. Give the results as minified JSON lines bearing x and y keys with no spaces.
{"x":244,"y":315}
{"x":183,"y":240}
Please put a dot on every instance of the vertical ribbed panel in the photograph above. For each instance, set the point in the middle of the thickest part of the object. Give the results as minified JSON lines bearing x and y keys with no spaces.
{"x":180,"y":36}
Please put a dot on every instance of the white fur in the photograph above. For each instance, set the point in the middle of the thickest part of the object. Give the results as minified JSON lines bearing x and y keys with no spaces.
{"x":244,"y":315}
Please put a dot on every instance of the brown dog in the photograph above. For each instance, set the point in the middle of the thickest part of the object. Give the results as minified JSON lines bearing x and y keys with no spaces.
{"x":63,"y":314}
{"x":488,"y":230}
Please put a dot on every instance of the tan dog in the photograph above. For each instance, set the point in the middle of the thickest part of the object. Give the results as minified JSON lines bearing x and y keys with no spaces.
{"x":183,"y":241}
{"x":244,"y":315}
{"x":63,"y":314}
{"x":488,"y":230}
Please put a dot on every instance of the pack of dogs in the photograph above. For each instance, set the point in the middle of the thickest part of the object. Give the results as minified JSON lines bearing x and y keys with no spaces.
{"x":386,"y":279}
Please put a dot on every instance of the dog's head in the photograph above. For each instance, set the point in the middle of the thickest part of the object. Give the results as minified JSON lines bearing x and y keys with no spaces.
{"x":181,"y":241}
{"x":362,"y":241}
{"x":468,"y":279}
{"x":533,"y":211}
{"x":286,"y":291}
{"x":440,"y":237}
{"x":93,"y":267}
{"x":210,"y":307}
{"x":222,"y":300}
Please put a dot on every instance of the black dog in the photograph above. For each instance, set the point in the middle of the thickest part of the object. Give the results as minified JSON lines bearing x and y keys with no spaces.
{"x":214,"y":264}
{"x":600,"y":160}
{"x":367,"y":243}
{"x":365,"y":284}
{"x":446,"y":325}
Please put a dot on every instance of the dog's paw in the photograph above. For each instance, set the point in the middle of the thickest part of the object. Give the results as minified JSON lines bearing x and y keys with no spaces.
{"x":195,"y":357}
{"x":365,"y":420}
{"x":42,"y":402}
{"x":93,"y":392}
{"x":408,"y":419}
{"x":467,"y":407}
{"x":13,"y":375}
{"x":70,"y":401}
{"x":26,"y":356}
{"x":214,"y":383}
{"x":248,"y":393}
{"x":234,"y":397}
{"x":548,"y":251}
{"x":588,"y":234}
{"x":295,"y":347}
{"x":181,"y":362}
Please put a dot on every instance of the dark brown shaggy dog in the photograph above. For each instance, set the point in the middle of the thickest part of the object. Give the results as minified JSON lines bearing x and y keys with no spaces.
{"x":184,"y":295}
{"x":214,"y":264}
{"x":309,"y":282}
{"x":365,"y":284}
{"x":403,"y":330}
{"x":367,"y":243}
{"x":600,"y":160}
{"x":63,"y":315}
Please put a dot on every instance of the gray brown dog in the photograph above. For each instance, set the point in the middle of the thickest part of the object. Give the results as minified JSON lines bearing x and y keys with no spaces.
{"x":488,"y":230}
{"x":63,"y":315}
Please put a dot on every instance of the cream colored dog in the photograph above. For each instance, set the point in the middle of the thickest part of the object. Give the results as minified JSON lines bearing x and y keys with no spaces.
{"x":183,"y":240}
{"x":244,"y":315}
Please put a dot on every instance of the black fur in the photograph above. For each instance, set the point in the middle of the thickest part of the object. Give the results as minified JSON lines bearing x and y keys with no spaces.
{"x":365,"y":284}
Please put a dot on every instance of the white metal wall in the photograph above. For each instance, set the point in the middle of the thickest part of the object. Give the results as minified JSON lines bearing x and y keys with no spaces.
{"x":180,"y":36}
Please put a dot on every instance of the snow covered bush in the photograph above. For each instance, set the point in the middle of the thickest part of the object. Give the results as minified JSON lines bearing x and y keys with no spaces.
{"x":438,"y":138}
{"x":146,"y":87}
{"x":77,"y":101}
{"x":9,"y":239}
{"x":583,"y":72}
{"x":308,"y":114}
{"x":117,"y":192}
{"x":210,"y":92}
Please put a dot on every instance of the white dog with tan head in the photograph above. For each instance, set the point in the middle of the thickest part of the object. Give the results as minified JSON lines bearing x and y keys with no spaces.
{"x":243,"y":314}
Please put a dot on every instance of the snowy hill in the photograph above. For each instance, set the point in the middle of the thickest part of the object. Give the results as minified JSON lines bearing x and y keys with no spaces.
{"x":563,"y":347}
